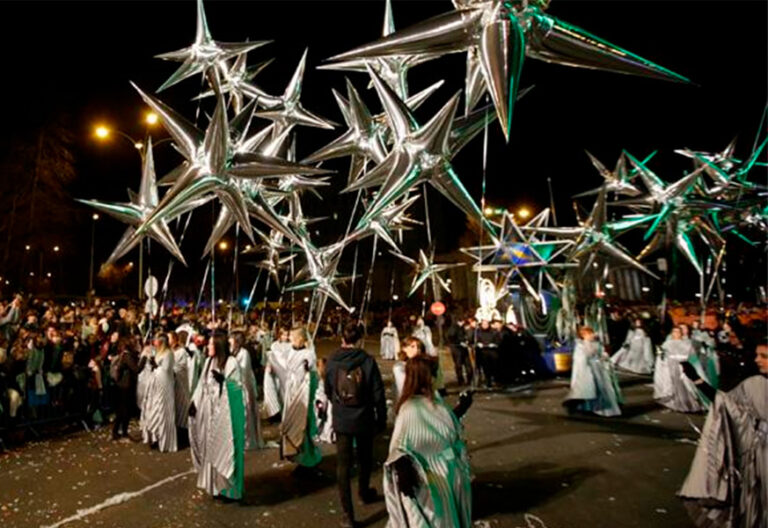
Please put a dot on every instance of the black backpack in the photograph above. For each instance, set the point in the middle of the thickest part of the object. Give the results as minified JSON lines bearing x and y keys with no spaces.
{"x":349,"y":387}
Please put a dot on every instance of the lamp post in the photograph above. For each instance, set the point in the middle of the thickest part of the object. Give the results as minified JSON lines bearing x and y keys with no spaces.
{"x":103,"y":132}
{"x":93,"y":245}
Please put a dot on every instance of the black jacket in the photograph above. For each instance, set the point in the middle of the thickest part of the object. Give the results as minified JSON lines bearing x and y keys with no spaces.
{"x":365,"y":418}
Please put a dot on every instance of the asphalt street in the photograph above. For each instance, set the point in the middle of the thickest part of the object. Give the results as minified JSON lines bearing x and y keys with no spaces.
{"x":533,"y":464}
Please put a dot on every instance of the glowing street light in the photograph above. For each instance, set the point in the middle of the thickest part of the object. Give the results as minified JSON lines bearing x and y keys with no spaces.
{"x":56,"y":249}
{"x":223,"y":245}
{"x":102,"y":132}
{"x":152,"y":118}
{"x":138,"y":145}
{"x":488,"y":211}
{"x":523,"y":212}
{"x":95,"y":216}
{"x":27,"y":248}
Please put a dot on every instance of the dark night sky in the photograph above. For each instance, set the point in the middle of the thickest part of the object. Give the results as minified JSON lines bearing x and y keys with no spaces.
{"x":77,"y":58}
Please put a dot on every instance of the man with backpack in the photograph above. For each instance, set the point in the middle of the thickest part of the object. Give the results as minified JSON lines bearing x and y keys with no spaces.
{"x":354,"y":385}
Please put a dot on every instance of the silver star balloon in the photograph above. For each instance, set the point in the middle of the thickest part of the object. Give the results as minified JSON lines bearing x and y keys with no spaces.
{"x":593,"y":239}
{"x":425,"y":269}
{"x":286,"y":111}
{"x":618,"y":181}
{"x":419,"y":154}
{"x":391,"y":219}
{"x":212,"y":166}
{"x":274,"y":261}
{"x":498,"y":35}
{"x":204,"y":53}
{"x":235,"y":80}
{"x":393,"y":69}
{"x":138,"y":210}
{"x":320,"y":272}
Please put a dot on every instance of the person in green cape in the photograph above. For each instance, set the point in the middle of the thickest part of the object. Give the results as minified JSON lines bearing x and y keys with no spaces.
{"x":217,"y":423}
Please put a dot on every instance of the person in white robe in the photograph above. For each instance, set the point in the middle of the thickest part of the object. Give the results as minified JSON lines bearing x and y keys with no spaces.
{"x":422,"y":332}
{"x":706,"y":352}
{"x":180,"y":379}
{"x":390,"y":342}
{"x":188,"y":338}
{"x":671,"y":387}
{"x":253,"y":438}
{"x":217,"y":424}
{"x":594,"y":385}
{"x":727,"y":485}
{"x":157,"y":396}
{"x":298,"y":428}
{"x":427,"y":476}
{"x":275,"y":374}
{"x":636,"y":354}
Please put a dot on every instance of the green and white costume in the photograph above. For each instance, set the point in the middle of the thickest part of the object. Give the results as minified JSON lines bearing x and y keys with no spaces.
{"x":429,"y":434}
{"x":217,"y":431}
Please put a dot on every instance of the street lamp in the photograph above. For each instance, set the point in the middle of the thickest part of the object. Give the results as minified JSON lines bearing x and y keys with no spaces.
{"x":151,"y":118}
{"x":223,"y":245}
{"x":523,"y":213}
{"x":56,"y":249}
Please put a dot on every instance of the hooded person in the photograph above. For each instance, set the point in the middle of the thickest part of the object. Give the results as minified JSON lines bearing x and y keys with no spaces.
{"x":353,"y":384}
{"x":594,"y":386}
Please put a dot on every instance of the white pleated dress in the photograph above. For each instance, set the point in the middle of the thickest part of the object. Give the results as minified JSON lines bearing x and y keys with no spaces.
{"x":157,"y":403}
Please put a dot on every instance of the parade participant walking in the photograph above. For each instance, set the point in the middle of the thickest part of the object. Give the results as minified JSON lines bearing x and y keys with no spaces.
{"x":217,"y":423}
{"x":390,"y":342}
{"x":354,"y":384}
{"x":728,"y":481}
{"x":181,"y":383}
{"x":411,"y":348}
{"x":594,"y":387}
{"x":299,"y":427}
{"x":276,"y":374}
{"x":672,"y":388}
{"x":250,"y":391}
{"x":427,"y":480}
{"x":158,"y":412}
{"x":636,"y":354}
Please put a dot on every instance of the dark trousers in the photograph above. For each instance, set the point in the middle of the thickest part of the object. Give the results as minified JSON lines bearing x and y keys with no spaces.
{"x":488,"y":359}
{"x":123,"y":406}
{"x":462,"y":364}
{"x":344,"y":447}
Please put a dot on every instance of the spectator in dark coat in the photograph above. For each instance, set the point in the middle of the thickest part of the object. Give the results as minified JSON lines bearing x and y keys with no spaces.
{"x":353,"y":384}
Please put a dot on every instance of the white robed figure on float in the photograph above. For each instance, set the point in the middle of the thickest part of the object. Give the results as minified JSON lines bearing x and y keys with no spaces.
{"x":298,"y":428}
{"x":727,"y":485}
{"x":390,"y":342}
{"x":276,"y":374}
{"x":253,"y":438}
{"x":217,"y":424}
{"x":427,"y":442}
{"x":671,"y":387}
{"x":636,"y":354}
{"x":156,"y":396}
{"x":594,"y":385}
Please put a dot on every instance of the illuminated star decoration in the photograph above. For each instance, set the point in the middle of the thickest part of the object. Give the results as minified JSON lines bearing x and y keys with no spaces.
{"x":425,"y":269}
{"x":212,"y":166}
{"x":593,"y":239}
{"x":498,"y":35}
{"x":204,"y":53}
{"x":420,"y":154}
{"x":391,"y":219}
{"x":286,"y":111}
{"x":617,"y":181}
{"x":393,"y":69}
{"x":320,"y":272}
{"x":137,"y":211}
